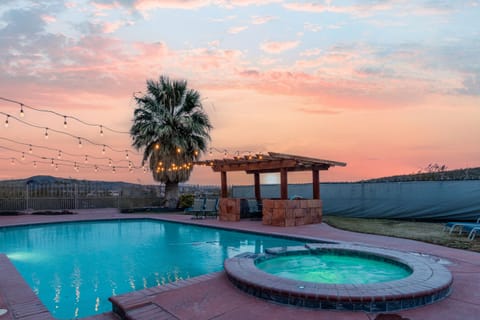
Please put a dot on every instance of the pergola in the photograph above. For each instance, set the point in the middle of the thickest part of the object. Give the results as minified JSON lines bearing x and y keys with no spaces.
{"x":271,"y":162}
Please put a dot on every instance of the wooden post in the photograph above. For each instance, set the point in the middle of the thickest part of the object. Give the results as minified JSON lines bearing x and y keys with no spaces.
{"x":258,"y":195}
{"x":223,"y":175}
{"x":316,"y":183}
{"x":283,"y":184}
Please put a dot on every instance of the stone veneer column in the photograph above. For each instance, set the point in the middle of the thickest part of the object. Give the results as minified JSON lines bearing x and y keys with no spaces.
{"x":289,"y":213}
{"x":229,"y":209}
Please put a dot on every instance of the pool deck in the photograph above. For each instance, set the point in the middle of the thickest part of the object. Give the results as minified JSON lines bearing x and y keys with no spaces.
{"x":212,"y":296}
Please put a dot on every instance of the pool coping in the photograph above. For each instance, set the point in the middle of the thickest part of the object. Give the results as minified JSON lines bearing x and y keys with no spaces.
{"x":429,"y":281}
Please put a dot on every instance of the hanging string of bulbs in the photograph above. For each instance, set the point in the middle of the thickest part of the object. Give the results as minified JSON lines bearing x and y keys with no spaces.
{"x":24,"y":107}
{"x":80,"y":139}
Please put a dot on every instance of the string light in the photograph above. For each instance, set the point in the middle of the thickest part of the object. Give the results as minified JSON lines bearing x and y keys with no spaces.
{"x":101,"y":130}
{"x":30,"y":149}
{"x":179,"y":150}
{"x":103,"y":149}
{"x":6,"y":121}
{"x":56,"y":167}
{"x":65,"y":122}
{"x":59,"y":154}
{"x":86,"y":158}
{"x":113,"y":170}
{"x":65,"y":133}
{"x":53,"y":163}
{"x":157,"y":146}
{"x":23,"y":156}
{"x":34,"y":164}
{"x":126,"y":154}
{"x":79,"y":142}
{"x":22,"y":106}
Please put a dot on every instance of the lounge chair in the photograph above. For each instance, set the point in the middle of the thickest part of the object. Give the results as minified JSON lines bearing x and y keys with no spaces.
{"x":197,"y":208}
{"x":462,"y":226}
{"x":473,"y":232}
{"x":211,"y":207}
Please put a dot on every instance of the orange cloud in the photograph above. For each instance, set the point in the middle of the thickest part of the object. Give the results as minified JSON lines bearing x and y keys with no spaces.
{"x":276,"y":47}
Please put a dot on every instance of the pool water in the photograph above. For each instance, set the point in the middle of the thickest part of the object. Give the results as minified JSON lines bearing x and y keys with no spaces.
{"x":75,"y":267}
{"x":333,"y":268}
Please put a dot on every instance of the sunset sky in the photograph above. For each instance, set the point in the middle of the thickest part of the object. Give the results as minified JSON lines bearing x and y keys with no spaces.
{"x":385,"y":86}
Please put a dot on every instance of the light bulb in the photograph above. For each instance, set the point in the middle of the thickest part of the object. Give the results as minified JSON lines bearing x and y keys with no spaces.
{"x":23,"y":156}
{"x":46,"y":133}
{"x":6,"y":121}
{"x":22,"y":114}
{"x":59,"y":154}
{"x":30,"y":149}
{"x":101,"y":131}
{"x":65,"y":122}
{"x":103,"y":149}
{"x":79,"y":142}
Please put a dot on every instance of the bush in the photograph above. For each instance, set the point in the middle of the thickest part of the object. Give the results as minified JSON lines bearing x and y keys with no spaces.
{"x":186,"y":200}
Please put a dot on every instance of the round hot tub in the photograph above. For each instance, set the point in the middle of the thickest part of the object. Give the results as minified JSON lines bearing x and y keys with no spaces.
{"x":341,"y":277}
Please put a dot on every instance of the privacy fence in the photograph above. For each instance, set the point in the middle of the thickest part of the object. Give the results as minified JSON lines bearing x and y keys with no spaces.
{"x":438,"y":200}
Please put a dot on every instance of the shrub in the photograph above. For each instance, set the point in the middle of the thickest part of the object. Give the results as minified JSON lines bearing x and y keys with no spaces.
{"x":185,"y":200}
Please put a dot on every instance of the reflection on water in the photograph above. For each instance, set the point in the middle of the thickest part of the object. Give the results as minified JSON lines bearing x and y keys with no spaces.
{"x":75,"y":267}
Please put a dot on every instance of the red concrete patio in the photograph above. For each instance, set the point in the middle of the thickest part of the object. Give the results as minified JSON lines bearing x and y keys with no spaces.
{"x":212,"y":296}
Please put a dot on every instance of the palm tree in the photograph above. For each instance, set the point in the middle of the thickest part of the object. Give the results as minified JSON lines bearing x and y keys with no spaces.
{"x":172,"y":127}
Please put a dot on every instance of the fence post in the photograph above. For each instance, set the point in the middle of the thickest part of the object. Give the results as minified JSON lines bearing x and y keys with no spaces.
{"x":75,"y":195}
{"x":26,"y":196}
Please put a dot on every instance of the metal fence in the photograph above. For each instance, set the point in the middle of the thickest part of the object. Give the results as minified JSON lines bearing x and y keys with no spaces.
{"x":88,"y":195}
{"x":76,"y":196}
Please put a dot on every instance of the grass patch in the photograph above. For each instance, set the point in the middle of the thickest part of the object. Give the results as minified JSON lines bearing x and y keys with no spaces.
{"x":431,"y":232}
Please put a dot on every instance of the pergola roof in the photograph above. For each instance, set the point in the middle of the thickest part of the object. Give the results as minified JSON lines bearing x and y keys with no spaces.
{"x":271,"y":162}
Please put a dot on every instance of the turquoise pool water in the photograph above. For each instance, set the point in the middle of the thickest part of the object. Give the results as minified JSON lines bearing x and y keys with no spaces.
{"x":333,"y":268}
{"x":75,"y":267}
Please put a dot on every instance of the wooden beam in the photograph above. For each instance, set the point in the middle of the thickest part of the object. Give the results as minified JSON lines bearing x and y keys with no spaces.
{"x":316,"y":183}
{"x":294,"y":169}
{"x":254,"y":166}
{"x":283,"y":184}
{"x":224,"y":189}
{"x":258,"y":195}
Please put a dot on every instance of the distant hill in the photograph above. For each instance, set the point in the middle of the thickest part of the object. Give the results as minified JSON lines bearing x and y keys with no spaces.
{"x":38,"y":180}
{"x":459,"y":174}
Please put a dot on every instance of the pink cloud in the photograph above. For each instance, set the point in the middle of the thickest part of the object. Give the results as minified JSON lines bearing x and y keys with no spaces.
{"x":276,"y":47}
{"x":110,"y":27}
{"x":48,"y":18}
{"x":262,"y":20}
{"x":235,"y":30}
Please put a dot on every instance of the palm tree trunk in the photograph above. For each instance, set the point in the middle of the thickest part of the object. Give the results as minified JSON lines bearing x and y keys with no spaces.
{"x":171,"y":194}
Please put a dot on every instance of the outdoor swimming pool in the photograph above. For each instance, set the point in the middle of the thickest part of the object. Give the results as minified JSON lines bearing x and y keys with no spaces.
{"x":75,"y":267}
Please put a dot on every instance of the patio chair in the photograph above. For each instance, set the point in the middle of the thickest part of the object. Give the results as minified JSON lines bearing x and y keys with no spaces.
{"x":254,"y":211}
{"x":462,"y":226}
{"x":211,"y":207}
{"x":473,"y":232}
{"x":197,"y":208}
